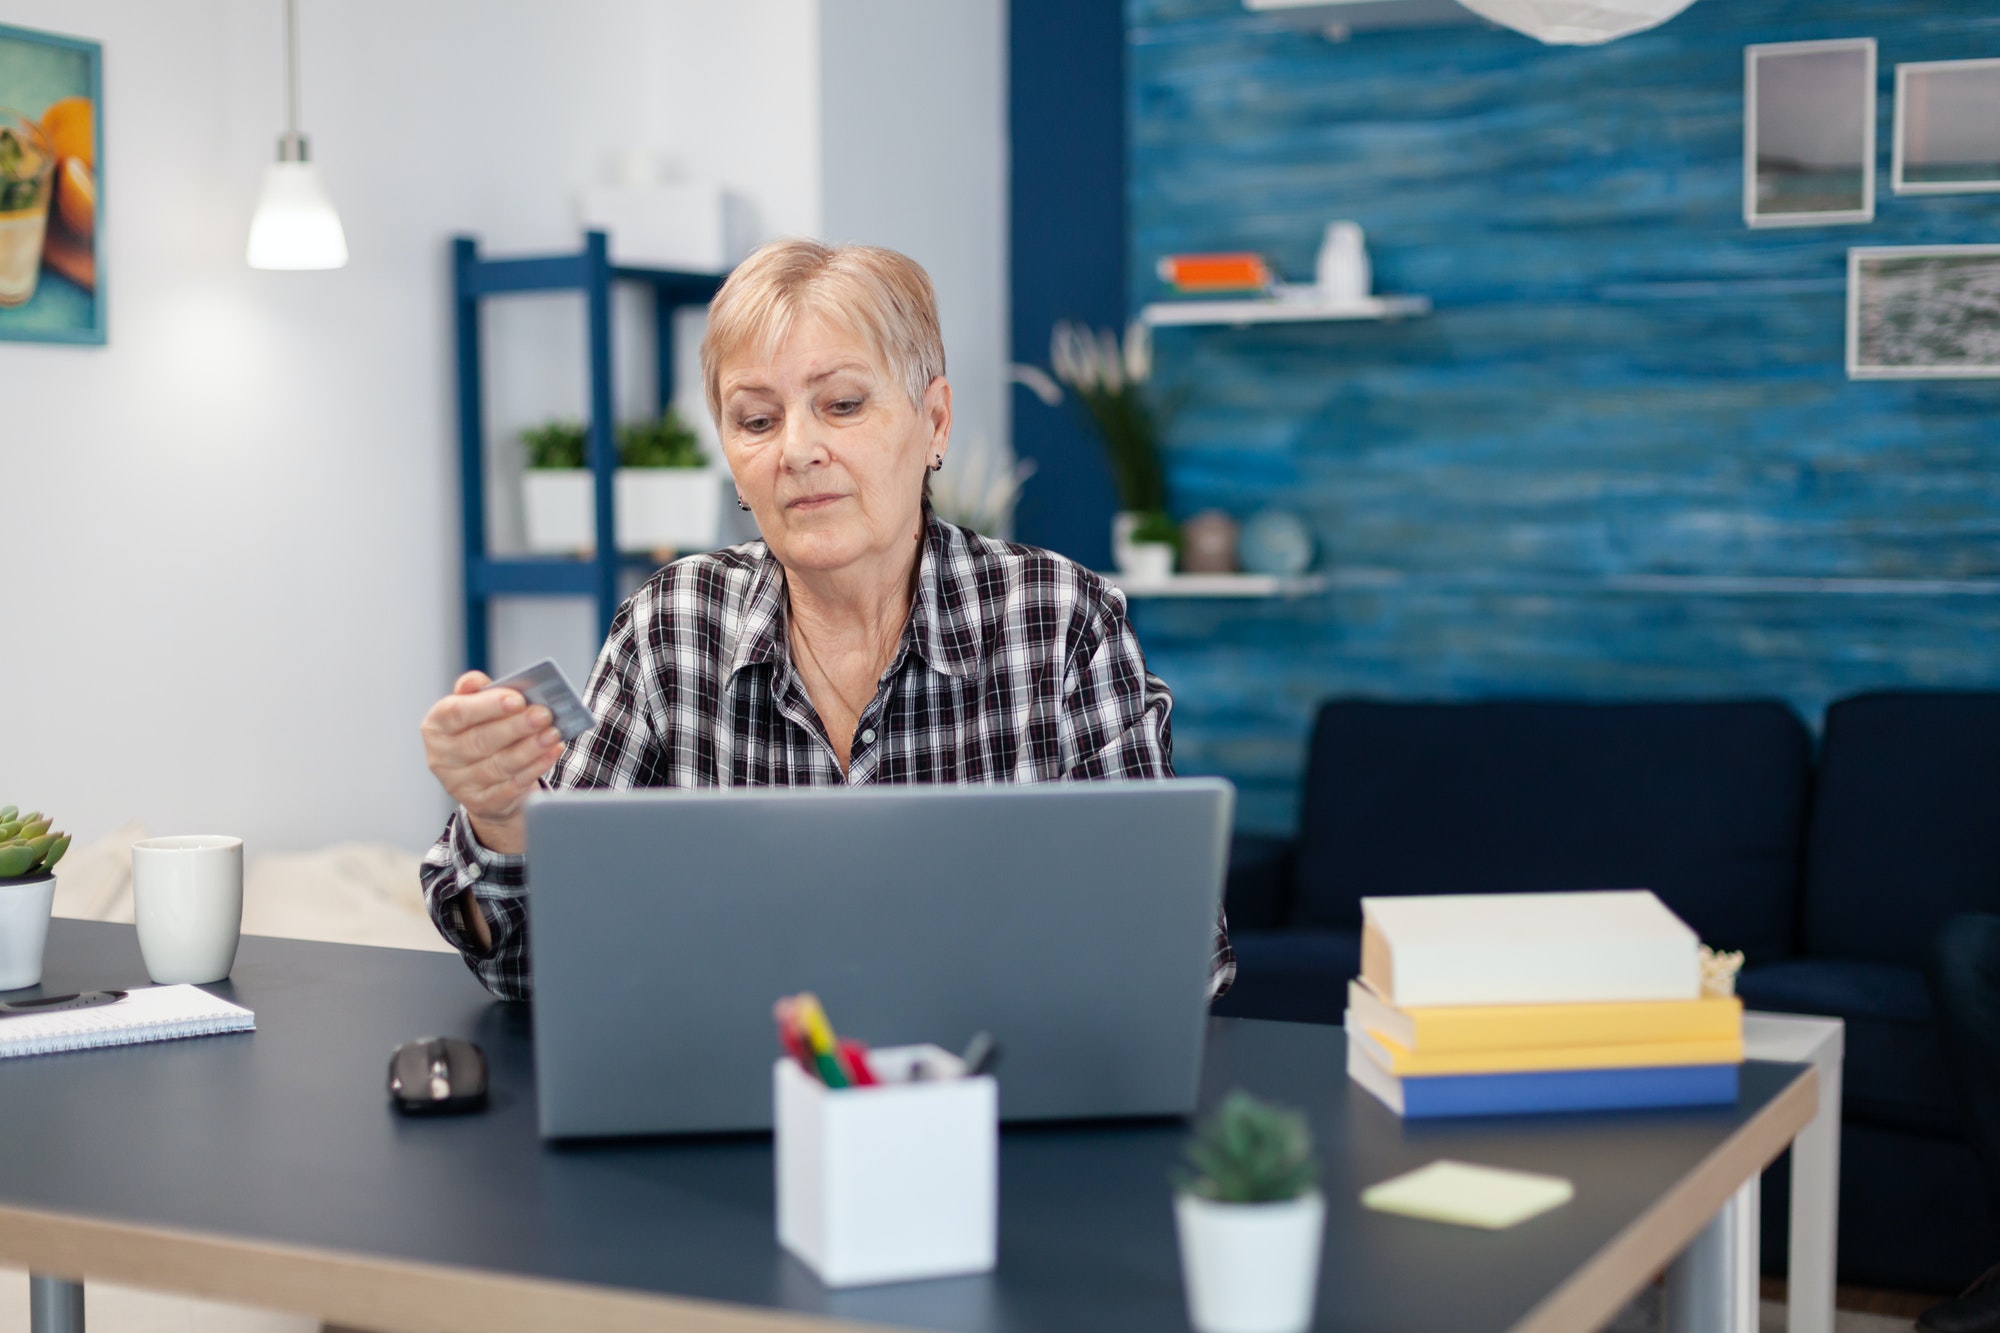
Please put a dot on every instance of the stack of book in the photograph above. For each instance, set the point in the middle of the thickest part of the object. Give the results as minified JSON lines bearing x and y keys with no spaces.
{"x":1504,"y":1004}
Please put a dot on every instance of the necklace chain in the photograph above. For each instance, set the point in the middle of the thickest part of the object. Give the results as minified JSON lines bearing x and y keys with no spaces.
{"x":799,"y":635}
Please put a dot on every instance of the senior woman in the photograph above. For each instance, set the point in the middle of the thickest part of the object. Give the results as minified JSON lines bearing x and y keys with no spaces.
{"x":863,"y":640}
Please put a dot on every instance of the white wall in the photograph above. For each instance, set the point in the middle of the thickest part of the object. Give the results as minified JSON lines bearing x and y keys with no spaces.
{"x":230,"y":532}
{"x":913,"y":127}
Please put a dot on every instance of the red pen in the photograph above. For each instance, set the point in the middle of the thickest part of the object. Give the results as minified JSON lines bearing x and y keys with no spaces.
{"x":854,"y":1059}
{"x":791,"y":1037}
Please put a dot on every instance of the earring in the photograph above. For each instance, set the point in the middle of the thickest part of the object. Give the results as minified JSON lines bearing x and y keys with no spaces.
{"x":740,"y":505}
{"x":937,"y":462}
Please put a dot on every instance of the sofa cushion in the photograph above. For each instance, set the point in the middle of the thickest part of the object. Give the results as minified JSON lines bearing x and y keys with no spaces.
{"x":1299,"y":976}
{"x":1905,"y":824}
{"x":1704,"y":803}
{"x":1894,"y":1075}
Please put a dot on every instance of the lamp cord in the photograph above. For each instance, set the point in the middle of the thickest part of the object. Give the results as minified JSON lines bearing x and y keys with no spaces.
{"x":292,"y":69}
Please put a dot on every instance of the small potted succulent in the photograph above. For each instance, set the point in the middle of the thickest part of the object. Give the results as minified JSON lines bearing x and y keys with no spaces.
{"x":28,"y":855}
{"x":1250,"y":1216}
{"x":666,"y":494}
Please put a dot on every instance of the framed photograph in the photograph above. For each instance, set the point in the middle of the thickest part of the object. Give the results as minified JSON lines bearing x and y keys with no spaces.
{"x":1923,"y":312}
{"x":1809,"y":133}
{"x":1947,"y":128}
{"x":51,"y":188}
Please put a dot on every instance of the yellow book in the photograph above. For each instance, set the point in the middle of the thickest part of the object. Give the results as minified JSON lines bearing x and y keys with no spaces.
{"x":1508,"y":1027}
{"x":1403,"y":1062}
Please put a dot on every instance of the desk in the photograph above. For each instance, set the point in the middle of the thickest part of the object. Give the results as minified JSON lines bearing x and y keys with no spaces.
{"x":268,"y":1169}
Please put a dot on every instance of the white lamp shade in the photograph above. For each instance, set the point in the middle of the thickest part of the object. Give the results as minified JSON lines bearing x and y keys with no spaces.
{"x":1577,"y":22}
{"x":295,"y":225}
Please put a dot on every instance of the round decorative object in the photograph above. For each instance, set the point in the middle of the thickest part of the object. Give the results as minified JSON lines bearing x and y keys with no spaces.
{"x":1277,"y":541}
{"x":1208,"y":543}
{"x":1577,"y":22}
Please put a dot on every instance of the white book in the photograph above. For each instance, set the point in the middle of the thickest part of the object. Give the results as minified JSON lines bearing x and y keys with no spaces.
{"x":1527,"y":948}
{"x":152,"y":1013}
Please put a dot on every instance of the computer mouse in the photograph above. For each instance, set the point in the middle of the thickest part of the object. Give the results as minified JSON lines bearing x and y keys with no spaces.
{"x":437,"y":1076}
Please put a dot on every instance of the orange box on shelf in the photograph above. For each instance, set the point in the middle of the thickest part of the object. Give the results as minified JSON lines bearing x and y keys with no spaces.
{"x":1216,"y":273}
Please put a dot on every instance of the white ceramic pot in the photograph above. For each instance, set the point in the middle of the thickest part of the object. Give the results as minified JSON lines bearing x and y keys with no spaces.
{"x":1138,"y":560}
{"x":658,"y":509}
{"x":1250,"y":1267}
{"x":24,"y":929}
{"x":668,"y":508}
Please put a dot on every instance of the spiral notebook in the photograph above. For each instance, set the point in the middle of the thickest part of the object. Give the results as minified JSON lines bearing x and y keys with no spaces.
{"x":152,"y":1013}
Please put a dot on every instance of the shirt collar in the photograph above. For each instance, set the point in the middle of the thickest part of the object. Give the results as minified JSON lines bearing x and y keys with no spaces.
{"x":944,"y":614}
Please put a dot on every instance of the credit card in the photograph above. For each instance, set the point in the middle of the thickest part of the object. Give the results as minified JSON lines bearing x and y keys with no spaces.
{"x":544,"y":683}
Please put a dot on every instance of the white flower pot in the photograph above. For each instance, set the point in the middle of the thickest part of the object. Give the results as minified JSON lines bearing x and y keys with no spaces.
{"x":658,"y":509}
{"x":1250,"y":1267}
{"x":24,"y":929}
{"x":1138,"y":560}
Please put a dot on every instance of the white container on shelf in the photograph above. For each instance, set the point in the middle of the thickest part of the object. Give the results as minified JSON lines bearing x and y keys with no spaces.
{"x":658,"y":509}
{"x":1250,"y":1267}
{"x":889,"y":1183}
{"x":1146,"y":561}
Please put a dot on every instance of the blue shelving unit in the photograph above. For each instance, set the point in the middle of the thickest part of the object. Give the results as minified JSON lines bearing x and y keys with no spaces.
{"x":590,"y":271}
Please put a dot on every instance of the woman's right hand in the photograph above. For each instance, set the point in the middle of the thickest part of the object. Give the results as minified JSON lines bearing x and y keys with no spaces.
{"x":489,"y":749}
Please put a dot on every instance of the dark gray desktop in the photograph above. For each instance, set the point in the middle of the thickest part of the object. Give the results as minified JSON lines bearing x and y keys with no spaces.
{"x":1073,"y":921}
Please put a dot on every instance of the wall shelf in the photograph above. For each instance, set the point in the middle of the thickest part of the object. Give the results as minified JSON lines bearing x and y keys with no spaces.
{"x":591,"y":272}
{"x":1219,"y":585}
{"x":1291,"y":305}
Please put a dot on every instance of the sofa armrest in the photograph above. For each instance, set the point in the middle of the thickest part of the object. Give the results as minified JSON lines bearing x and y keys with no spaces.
{"x":1258,"y":895}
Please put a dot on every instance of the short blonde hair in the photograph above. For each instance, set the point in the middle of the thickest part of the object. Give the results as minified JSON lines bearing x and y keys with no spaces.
{"x":884,"y":297}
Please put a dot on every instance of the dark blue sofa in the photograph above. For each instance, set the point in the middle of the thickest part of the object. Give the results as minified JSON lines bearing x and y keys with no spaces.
{"x":1830,"y":877}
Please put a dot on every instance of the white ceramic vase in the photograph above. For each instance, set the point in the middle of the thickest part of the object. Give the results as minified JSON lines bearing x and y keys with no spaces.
{"x":24,"y":929}
{"x":1250,"y":1267}
{"x":1139,"y":561}
{"x":657,"y":508}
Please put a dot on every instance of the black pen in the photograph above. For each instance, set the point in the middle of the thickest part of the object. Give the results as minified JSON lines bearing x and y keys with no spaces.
{"x":56,"y":1004}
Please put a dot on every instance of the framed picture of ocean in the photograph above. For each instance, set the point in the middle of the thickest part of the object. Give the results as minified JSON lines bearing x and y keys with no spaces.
{"x":1947,"y":128}
{"x":1809,"y":132}
{"x":1923,"y":312}
{"x":51,"y":188}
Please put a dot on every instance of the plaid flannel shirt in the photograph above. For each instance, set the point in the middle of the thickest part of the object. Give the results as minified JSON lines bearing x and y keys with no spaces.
{"x":1015,"y":665}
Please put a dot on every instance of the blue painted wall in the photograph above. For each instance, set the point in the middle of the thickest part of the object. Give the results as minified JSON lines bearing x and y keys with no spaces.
{"x":1623,"y":458}
{"x":1066,"y":228}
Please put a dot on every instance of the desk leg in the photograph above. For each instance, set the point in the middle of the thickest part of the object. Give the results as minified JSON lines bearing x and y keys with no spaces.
{"x":1712,"y":1287}
{"x":54,"y":1305}
{"x":1816,"y":1208}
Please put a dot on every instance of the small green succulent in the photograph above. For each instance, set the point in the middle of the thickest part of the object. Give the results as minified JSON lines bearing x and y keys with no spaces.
{"x":1250,"y":1151}
{"x":666,"y":441}
{"x":555,"y":444}
{"x":26,"y":845}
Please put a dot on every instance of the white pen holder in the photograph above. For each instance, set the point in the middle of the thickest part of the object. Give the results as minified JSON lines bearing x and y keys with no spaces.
{"x":892,"y":1182}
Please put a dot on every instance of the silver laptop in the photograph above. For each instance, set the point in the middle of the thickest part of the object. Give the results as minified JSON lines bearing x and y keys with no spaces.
{"x":1073,"y":921}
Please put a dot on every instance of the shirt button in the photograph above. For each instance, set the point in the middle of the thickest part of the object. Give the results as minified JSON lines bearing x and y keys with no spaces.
{"x":868,"y":736}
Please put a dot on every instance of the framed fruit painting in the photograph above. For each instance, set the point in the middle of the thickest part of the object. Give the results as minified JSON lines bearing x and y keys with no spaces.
{"x":51,"y":188}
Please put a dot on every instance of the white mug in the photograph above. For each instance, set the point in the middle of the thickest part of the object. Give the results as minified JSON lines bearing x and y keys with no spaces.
{"x":187,"y":894}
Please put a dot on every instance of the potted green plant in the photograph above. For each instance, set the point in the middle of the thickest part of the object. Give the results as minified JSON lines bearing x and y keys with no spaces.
{"x":666,"y":493}
{"x":1110,"y":382}
{"x":29,"y":851}
{"x":1250,"y":1216}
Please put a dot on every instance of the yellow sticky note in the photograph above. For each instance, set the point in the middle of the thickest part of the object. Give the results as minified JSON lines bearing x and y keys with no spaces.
{"x":1468,"y":1195}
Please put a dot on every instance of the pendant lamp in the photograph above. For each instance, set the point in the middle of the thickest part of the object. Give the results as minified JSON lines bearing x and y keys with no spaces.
{"x":1577,"y":22}
{"x":295,"y":225}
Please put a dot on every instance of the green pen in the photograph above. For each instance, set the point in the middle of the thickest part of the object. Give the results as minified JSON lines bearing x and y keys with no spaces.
{"x":830,"y":1072}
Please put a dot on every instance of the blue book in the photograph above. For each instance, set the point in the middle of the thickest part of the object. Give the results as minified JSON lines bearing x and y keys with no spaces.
{"x":1439,"y":1095}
